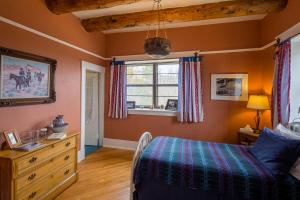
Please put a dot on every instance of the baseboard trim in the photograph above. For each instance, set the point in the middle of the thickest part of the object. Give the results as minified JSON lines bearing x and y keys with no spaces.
{"x":120,"y":144}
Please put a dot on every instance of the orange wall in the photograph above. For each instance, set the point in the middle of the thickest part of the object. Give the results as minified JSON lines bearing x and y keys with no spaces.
{"x":276,"y":23}
{"x":204,"y":38}
{"x":267,"y":62}
{"x":34,"y":13}
{"x":222,"y":118}
{"x":67,"y":27}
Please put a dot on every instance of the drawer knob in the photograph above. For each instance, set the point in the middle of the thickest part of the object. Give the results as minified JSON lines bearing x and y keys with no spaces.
{"x":31,"y":177}
{"x":67,"y":171}
{"x":32,"y":195}
{"x":33,"y":159}
{"x":67,"y":157}
{"x":68,"y":144}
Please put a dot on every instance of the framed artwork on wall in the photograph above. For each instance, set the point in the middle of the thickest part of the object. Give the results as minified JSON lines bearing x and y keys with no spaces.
{"x":25,"y":78}
{"x":230,"y":87}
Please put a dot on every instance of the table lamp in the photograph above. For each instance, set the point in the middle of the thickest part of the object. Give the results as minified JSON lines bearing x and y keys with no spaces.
{"x":258,"y":102}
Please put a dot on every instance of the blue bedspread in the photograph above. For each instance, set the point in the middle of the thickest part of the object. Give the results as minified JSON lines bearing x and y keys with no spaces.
{"x":227,"y":169}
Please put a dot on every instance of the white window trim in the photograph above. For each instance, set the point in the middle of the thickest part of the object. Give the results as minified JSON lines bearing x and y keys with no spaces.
{"x":294,"y":89}
{"x":157,"y":112}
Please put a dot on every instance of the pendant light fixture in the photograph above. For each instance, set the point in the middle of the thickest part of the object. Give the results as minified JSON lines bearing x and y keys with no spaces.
{"x":157,"y":46}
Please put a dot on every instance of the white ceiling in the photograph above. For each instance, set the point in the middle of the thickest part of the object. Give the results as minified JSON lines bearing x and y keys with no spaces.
{"x":139,"y":6}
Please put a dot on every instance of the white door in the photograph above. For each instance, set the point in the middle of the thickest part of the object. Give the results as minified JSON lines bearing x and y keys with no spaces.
{"x":92,"y":121}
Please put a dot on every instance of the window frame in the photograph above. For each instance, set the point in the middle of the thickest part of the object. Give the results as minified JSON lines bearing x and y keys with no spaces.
{"x":155,"y":85}
{"x":294,"y":84}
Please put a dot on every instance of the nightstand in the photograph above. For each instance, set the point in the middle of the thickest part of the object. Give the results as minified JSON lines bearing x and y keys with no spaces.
{"x":247,"y":138}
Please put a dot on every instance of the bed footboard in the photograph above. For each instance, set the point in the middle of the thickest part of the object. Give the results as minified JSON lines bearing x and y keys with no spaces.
{"x":144,"y":140}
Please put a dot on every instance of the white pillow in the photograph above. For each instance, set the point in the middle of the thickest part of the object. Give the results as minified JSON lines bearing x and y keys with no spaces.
{"x":288,"y":133}
{"x":285,"y":132}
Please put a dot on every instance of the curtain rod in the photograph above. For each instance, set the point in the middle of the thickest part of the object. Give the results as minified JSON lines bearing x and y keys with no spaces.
{"x":197,"y":54}
{"x":278,"y":41}
{"x":292,"y":32}
{"x":296,"y":35}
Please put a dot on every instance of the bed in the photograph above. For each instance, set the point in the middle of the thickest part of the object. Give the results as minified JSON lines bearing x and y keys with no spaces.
{"x":169,"y":168}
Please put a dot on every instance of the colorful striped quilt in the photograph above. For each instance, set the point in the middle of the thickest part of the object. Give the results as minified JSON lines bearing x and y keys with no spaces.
{"x":227,"y":169}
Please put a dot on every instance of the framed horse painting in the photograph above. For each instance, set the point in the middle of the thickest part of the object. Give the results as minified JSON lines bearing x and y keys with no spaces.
{"x":26,"y":79}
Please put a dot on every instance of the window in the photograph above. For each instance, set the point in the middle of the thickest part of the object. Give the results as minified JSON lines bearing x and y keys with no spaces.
{"x":150,"y":85}
{"x":295,"y":81}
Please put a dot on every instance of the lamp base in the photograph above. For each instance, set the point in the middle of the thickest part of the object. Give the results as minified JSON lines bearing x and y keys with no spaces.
{"x":257,"y":121}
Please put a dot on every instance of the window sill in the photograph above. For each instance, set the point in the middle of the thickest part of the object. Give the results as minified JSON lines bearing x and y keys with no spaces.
{"x":157,"y":112}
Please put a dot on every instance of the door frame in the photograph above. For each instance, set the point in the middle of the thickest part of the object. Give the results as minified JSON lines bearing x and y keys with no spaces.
{"x":86,"y":66}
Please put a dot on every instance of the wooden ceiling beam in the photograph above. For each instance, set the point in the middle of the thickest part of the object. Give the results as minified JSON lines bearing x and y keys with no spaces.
{"x":67,"y":6}
{"x":236,"y":8}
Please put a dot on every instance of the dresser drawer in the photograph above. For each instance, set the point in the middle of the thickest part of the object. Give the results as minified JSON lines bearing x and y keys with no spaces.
{"x":51,"y":165}
{"x":62,"y":175}
{"x":25,"y":163}
{"x":45,"y":185}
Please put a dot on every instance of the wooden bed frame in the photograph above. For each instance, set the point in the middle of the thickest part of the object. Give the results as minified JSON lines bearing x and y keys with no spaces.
{"x":144,"y":140}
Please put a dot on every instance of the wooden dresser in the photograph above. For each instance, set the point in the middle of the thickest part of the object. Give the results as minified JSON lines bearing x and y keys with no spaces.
{"x":39,"y":174}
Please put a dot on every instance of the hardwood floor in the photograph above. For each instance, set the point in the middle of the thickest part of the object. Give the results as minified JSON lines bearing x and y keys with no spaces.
{"x":103,"y":175}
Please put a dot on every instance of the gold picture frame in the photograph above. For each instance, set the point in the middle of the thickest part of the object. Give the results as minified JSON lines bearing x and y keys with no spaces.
{"x":26,"y":79}
{"x":12,"y":138}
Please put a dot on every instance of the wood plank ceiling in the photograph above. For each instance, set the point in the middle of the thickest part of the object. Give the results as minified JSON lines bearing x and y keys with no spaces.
{"x":176,"y":12}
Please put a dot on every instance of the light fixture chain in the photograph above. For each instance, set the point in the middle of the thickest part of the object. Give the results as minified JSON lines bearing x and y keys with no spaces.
{"x":157,"y":25}
{"x":149,"y":25}
{"x":158,"y":46}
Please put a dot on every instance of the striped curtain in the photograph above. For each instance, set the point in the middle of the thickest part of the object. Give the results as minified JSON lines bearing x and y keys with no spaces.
{"x":117,"y":106}
{"x":281,"y":84}
{"x":190,"y":105}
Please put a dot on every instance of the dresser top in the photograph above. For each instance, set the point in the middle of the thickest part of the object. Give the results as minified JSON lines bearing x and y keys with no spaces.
{"x":12,"y":154}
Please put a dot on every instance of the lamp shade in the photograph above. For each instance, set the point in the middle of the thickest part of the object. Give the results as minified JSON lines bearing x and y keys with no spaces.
{"x":258,"y":102}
